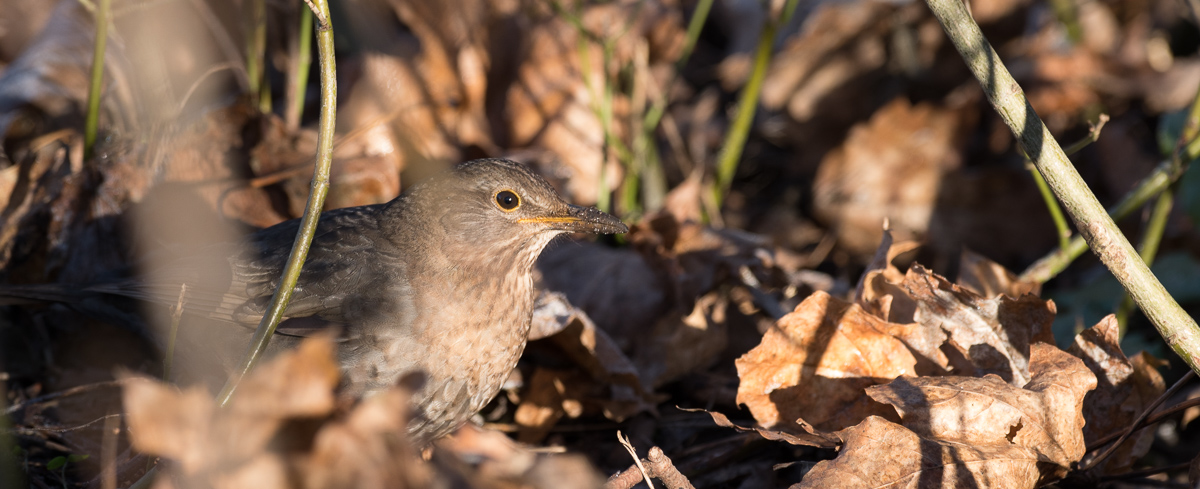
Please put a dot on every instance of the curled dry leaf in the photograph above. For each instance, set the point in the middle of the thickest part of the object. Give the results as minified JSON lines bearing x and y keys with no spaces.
{"x":1125,"y":388}
{"x":879,"y":453}
{"x":810,"y":437}
{"x":814,"y":363}
{"x":1046,"y":416}
{"x":989,"y":279}
{"x":988,"y":335}
{"x":878,"y":290}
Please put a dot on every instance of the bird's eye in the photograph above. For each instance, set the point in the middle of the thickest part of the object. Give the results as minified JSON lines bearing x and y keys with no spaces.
{"x":507,"y":200}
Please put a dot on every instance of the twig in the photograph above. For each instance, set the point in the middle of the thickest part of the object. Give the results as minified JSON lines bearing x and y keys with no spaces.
{"x":636,"y":461}
{"x":55,"y":395}
{"x":1145,"y":472}
{"x":1137,"y":423}
{"x":666,"y":471}
{"x":321,"y":13}
{"x":1092,"y":136}
{"x":1098,"y":229}
{"x":1060,"y":221}
{"x":1153,"y":419}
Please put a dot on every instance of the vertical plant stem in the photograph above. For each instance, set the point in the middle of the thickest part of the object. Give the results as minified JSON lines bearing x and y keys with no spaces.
{"x":739,"y":131}
{"x":96,"y":82}
{"x":295,"y":111}
{"x":312,"y":210}
{"x":1097,"y":228}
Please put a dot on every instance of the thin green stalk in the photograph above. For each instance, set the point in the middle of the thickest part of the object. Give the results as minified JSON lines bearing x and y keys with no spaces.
{"x":739,"y":132}
{"x":295,"y":112}
{"x":1060,"y":221}
{"x":1173,"y":323}
{"x":652,"y":181}
{"x":255,"y":39}
{"x":1167,"y":172}
{"x":1148,"y":248}
{"x":312,"y":211}
{"x":92,"y":121}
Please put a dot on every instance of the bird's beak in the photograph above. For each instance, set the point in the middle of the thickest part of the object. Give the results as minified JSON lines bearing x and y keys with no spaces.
{"x":578,"y":219}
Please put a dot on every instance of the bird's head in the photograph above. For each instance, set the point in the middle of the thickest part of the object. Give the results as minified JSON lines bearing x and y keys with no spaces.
{"x":502,"y":208}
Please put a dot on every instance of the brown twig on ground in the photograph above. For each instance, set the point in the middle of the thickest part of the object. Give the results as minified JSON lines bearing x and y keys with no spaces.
{"x":656,"y":465}
{"x":15,"y":408}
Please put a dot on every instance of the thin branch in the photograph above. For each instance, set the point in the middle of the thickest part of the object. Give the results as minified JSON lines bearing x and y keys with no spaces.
{"x":97,"y":78}
{"x":1140,"y":419}
{"x":636,"y":461}
{"x":1098,"y":229}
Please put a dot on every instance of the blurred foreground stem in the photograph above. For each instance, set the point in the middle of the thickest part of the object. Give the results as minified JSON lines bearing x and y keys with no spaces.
{"x":739,"y":131}
{"x":1097,"y":228}
{"x":312,"y":210}
{"x":97,"y":78}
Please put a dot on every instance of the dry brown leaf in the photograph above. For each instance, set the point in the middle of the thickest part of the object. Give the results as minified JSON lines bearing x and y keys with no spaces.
{"x":596,"y":353}
{"x":809,"y":437}
{"x":1046,"y":416}
{"x":879,"y":453}
{"x":989,"y":335}
{"x":678,"y":345}
{"x":814,"y":363}
{"x":890,"y":167}
{"x":878,"y":290}
{"x":542,"y":404}
{"x":1125,"y":388}
{"x":989,"y":279}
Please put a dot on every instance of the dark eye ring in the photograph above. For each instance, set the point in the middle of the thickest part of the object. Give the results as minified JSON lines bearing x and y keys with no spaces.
{"x":508,"y":200}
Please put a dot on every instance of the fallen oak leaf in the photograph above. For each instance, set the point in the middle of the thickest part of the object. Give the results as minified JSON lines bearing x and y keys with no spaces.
{"x":879,"y":453}
{"x":1045,"y":416}
{"x":814,"y":363}
{"x":991,"y":335}
{"x":1126,"y":387}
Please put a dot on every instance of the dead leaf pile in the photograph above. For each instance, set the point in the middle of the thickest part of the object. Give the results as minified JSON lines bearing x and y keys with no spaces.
{"x":285,"y":428}
{"x":969,"y":391}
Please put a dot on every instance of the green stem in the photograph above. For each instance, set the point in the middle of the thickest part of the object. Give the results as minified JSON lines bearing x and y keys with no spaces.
{"x":1060,"y":221}
{"x":92,"y":121}
{"x":739,"y":132}
{"x":303,"y":62}
{"x":173,"y":333}
{"x":1097,"y":228}
{"x":312,"y":211}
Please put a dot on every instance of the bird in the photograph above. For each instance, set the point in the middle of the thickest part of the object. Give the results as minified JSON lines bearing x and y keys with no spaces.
{"x":437,"y":282}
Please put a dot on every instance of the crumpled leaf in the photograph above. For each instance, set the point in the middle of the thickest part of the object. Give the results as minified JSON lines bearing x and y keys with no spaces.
{"x":1045,"y":416}
{"x":989,"y":335}
{"x":1126,"y":387}
{"x":814,"y":363}
{"x":879,"y":453}
{"x":989,"y":279}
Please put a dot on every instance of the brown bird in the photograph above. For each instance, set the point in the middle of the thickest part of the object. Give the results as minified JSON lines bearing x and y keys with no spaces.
{"x":437,"y":282}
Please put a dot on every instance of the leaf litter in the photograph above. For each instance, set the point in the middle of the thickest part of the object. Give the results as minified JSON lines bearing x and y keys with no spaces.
{"x":907,"y":379}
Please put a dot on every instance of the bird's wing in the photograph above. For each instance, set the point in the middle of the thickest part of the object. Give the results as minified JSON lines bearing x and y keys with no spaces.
{"x":235,"y":282}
